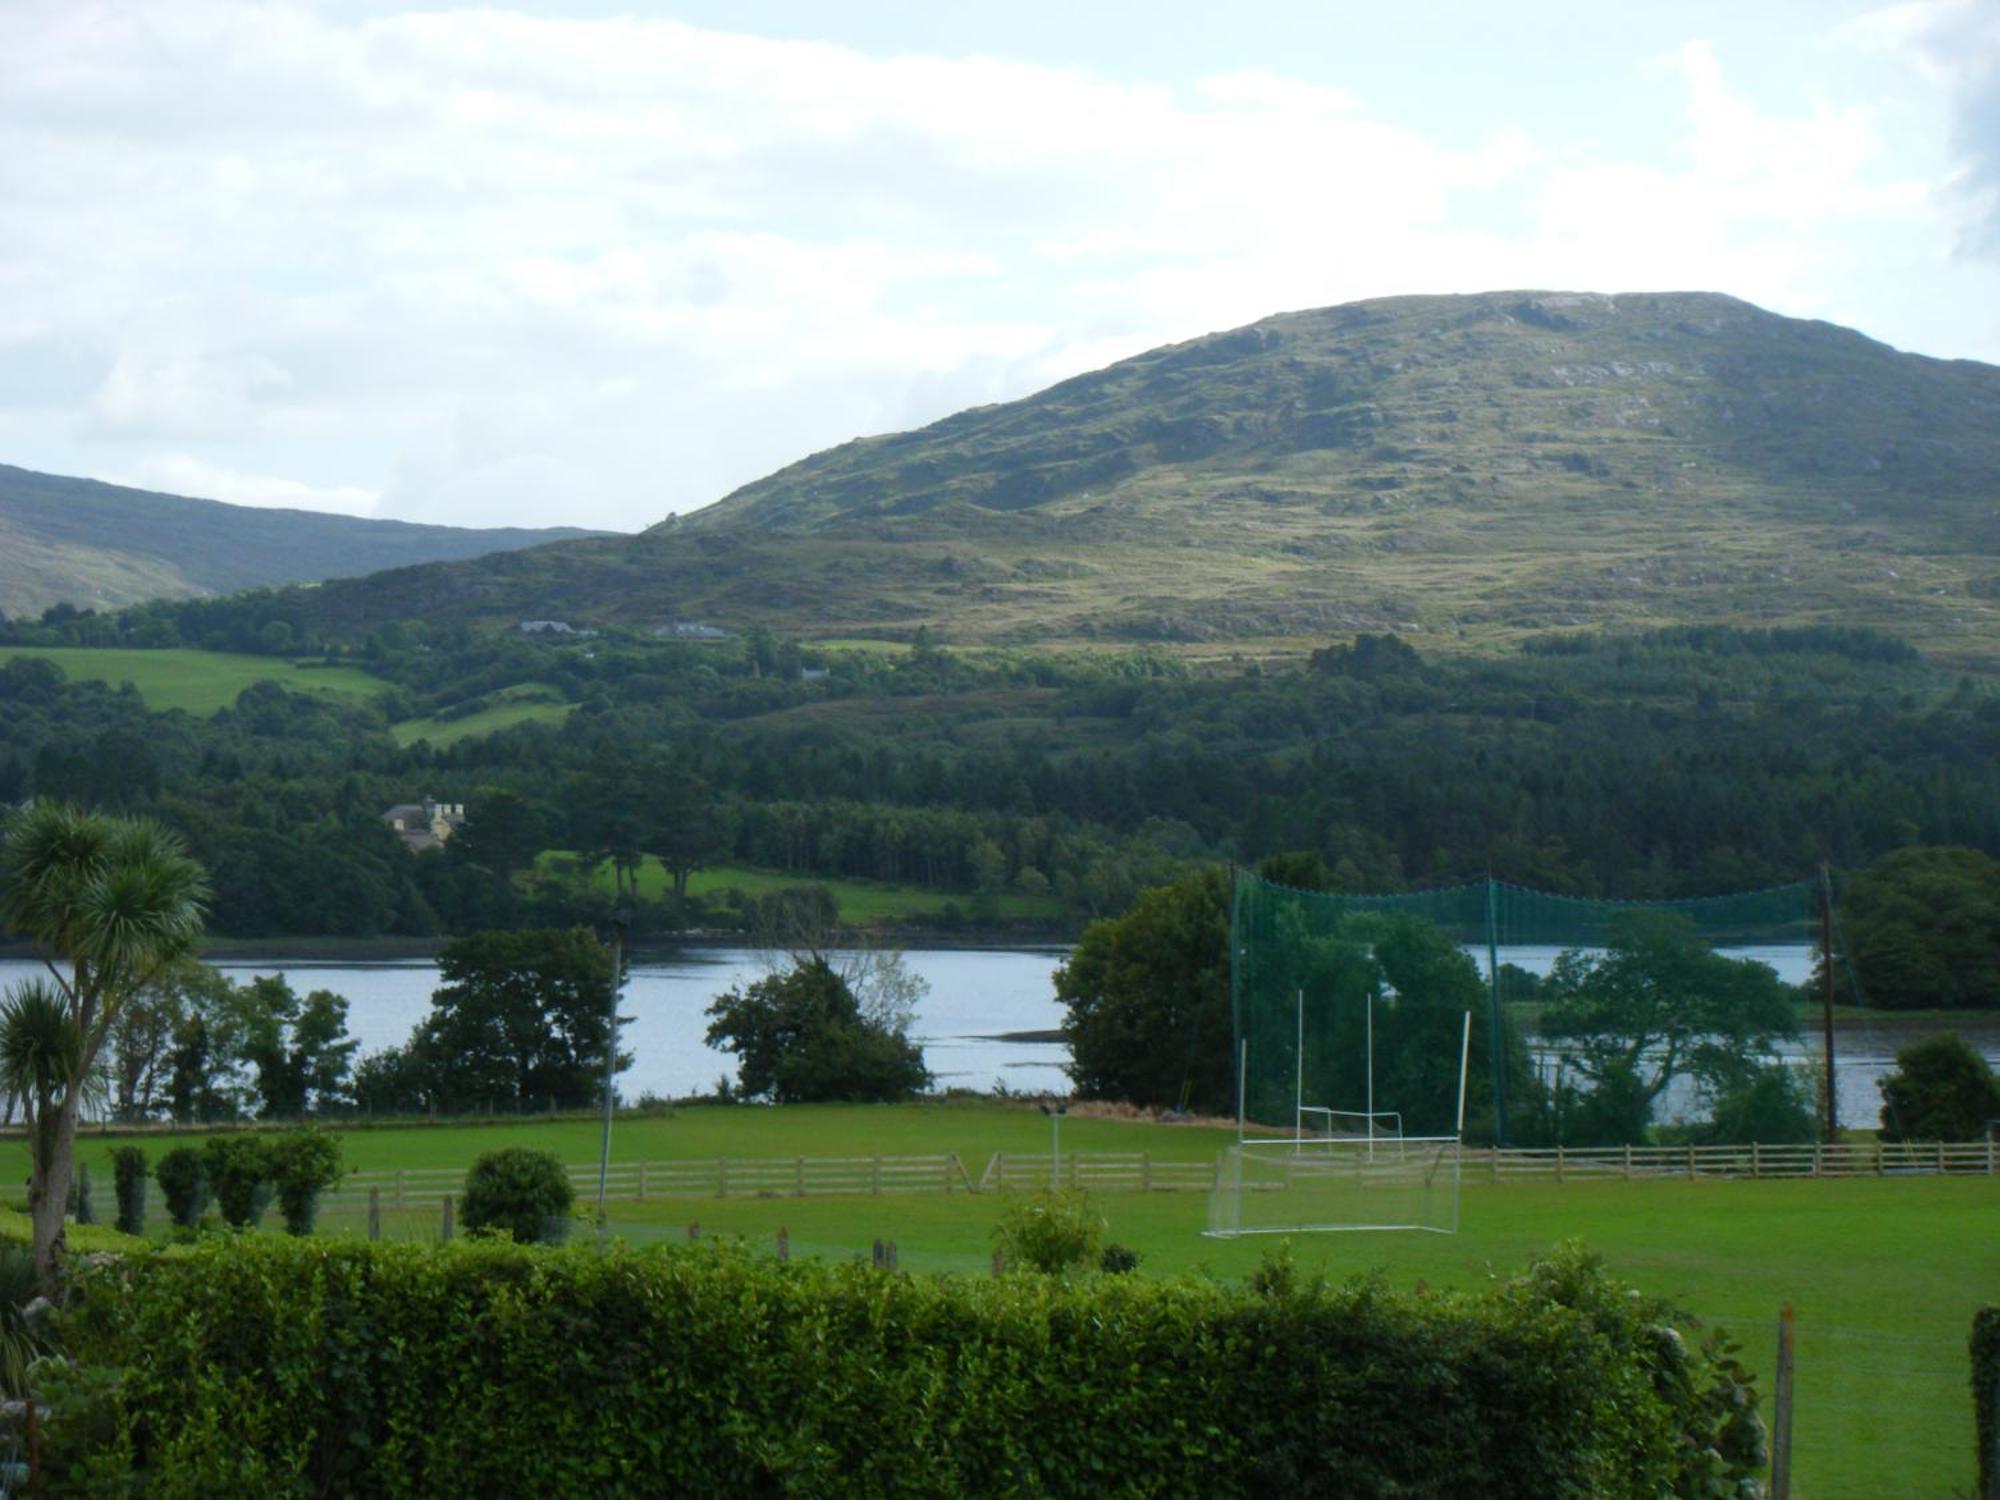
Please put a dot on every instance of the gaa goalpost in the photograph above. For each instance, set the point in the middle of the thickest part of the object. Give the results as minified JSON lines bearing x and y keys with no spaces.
{"x":1339,"y":1169}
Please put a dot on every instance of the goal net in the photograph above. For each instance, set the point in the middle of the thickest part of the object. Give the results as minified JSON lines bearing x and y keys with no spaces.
{"x":1283,"y":1187}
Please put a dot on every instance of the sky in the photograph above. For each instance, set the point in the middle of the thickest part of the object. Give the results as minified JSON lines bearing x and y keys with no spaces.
{"x":577,"y":264}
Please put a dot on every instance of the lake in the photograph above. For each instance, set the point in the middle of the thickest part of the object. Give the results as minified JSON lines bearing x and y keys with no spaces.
{"x":975,"y":998}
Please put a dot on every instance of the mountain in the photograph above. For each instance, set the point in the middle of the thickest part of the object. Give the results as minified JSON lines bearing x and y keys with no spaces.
{"x":76,"y":541}
{"x":1465,"y":468}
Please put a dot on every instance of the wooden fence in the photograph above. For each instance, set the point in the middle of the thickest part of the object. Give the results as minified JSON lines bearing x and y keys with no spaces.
{"x":1141,"y":1171}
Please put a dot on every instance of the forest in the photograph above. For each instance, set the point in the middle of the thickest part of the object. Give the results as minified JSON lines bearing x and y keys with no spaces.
{"x":1679,"y":762}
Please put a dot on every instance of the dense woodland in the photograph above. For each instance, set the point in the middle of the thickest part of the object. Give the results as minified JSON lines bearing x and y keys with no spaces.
{"x":1687,"y":761}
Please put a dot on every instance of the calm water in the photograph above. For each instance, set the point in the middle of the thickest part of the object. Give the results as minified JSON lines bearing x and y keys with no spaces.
{"x":974,"y":997}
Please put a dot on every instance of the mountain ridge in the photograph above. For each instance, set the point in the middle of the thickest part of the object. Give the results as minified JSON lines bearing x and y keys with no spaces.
{"x":91,"y":544}
{"x":1466,"y":468}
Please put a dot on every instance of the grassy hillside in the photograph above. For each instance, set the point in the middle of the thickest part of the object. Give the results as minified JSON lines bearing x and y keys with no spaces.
{"x":76,"y":541}
{"x":530,"y":703}
{"x":1460,"y":469}
{"x":862,"y":901}
{"x":197,"y":682}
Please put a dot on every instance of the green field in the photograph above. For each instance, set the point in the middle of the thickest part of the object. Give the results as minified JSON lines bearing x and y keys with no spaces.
{"x":858,"y":900}
{"x":198,"y":682}
{"x":530,"y":703}
{"x":1885,"y":1274}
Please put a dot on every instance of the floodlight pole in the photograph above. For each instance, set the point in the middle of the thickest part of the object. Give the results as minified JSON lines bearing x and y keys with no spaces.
{"x":619,"y":921}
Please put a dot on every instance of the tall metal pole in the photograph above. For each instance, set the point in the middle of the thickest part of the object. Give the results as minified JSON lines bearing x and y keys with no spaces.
{"x":1494,"y":1034}
{"x":1826,"y":999}
{"x":1242,"y":1089}
{"x":610,"y":1059}
{"x":1299,"y":1087}
{"x":1371,"y":1074}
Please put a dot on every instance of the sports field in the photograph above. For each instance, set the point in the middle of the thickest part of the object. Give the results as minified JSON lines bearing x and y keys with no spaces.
{"x":1885,"y":1274}
{"x":197,"y":682}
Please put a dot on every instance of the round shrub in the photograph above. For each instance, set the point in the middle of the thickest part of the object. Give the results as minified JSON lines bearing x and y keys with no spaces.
{"x":184,"y":1181}
{"x":517,"y":1191}
{"x":303,"y":1163}
{"x":239,"y":1175}
{"x":1118,"y":1260}
{"x":128,"y":1167}
{"x":1051,"y":1232}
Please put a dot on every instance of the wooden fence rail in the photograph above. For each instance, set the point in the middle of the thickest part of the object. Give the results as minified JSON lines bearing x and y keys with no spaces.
{"x":1141,"y":1171}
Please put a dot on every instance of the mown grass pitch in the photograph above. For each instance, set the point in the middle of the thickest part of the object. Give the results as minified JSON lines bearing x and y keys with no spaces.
{"x":1885,"y":1274}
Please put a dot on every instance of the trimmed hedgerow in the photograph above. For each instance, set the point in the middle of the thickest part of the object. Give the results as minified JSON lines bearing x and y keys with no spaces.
{"x":128,"y":1166}
{"x":269,"y":1365}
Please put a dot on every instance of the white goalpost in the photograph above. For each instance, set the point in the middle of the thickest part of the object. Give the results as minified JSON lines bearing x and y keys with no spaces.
{"x":1341,"y":1169}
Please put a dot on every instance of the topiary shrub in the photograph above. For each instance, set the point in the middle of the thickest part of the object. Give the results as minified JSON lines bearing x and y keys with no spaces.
{"x":1052,"y":1232}
{"x":184,"y":1183}
{"x":520,"y":1192}
{"x":80,"y":1201}
{"x":238,"y":1168}
{"x":1118,"y":1260}
{"x":303,"y":1163}
{"x":1942,"y":1090}
{"x":128,"y":1166}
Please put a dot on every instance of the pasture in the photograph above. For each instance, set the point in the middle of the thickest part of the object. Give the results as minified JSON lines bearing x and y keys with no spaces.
{"x":530,"y":703}
{"x":197,"y":682}
{"x":1885,"y":1273}
{"x":862,"y":901}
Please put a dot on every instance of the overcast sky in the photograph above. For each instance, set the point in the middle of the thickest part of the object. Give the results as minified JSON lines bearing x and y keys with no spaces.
{"x":593,"y":264}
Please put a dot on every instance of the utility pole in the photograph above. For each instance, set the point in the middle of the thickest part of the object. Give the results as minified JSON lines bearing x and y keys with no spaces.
{"x":619,"y":922}
{"x":1826,"y":999}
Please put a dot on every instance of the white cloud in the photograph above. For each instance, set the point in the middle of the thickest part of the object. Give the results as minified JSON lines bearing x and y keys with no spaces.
{"x":507,"y":267}
{"x":181,"y":474}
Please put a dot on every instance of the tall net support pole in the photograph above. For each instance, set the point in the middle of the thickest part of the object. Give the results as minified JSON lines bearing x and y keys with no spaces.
{"x":1242,"y":1087}
{"x":1370,"y":1034}
{"x":1493,"y":1028}
{"x":1826,"y":1000}
{"x":1299,"y":1076}
{"x":1464,"y":1059}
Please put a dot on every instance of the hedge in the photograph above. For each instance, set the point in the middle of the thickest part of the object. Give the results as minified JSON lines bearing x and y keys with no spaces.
{"x":270,"y":1366}
{"x":1986,"y":1398}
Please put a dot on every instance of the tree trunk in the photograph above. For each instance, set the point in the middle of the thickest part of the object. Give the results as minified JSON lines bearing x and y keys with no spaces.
{"x":48,"y":1194}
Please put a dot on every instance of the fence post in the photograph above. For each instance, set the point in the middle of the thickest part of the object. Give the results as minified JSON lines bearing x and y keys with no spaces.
{"x":1781,"y":1424}
{"x":1690,"y":1161}
{"x":799,"y":1163}
{"x":447,"y":1215}
{"x":374,"y":1213}
{"x":1145,"y":1171}
{"x":1756,"y":1160}
{"x":1940,"y":1145}
{"x":947,"y":1172}
{"x":399,"y":1187}
{"x":875,"y":1182}
{"x":642,"y":1182}
{"x":997,"y":1169}
{"x":1817,"y":1149}
{"x":1559,"y":1161}
{"x":1628,"y":1161}
{"x":1493,"y":1161}
{"x":784,"y":1244}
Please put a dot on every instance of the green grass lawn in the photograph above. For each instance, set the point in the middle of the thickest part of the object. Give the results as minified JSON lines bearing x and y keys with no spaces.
{"x":529,"y":703}
{"x":1885,"y":1273}
{"x":858,"y":900}
{"x":199,"y":682}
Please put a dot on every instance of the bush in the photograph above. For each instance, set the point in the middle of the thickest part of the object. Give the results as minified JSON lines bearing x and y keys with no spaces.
{"x":518,"y":1192}
{"x":128,"y":1166}
{"x":1773,"y":1106}
{"x":238,"y":1169}
{"x":81,"y":1202}
{"x":184,"y":1183}
{"x":268,"y":1365}
{"x":302,"y":1163}
{"x":1118,"y":1260}
{"x":1053,"y":1232}
{"x":1986,"y":1396}
{"x":1941,"y":1090}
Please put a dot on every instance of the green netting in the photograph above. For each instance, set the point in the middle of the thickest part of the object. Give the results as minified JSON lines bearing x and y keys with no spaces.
{"x":1348,"y":1009}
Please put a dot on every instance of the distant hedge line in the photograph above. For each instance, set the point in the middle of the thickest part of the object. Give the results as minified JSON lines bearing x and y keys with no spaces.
{"x":269,"y":1366}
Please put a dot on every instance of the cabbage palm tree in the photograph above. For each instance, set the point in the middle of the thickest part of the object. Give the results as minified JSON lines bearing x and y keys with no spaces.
{"x":107,"y":902}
